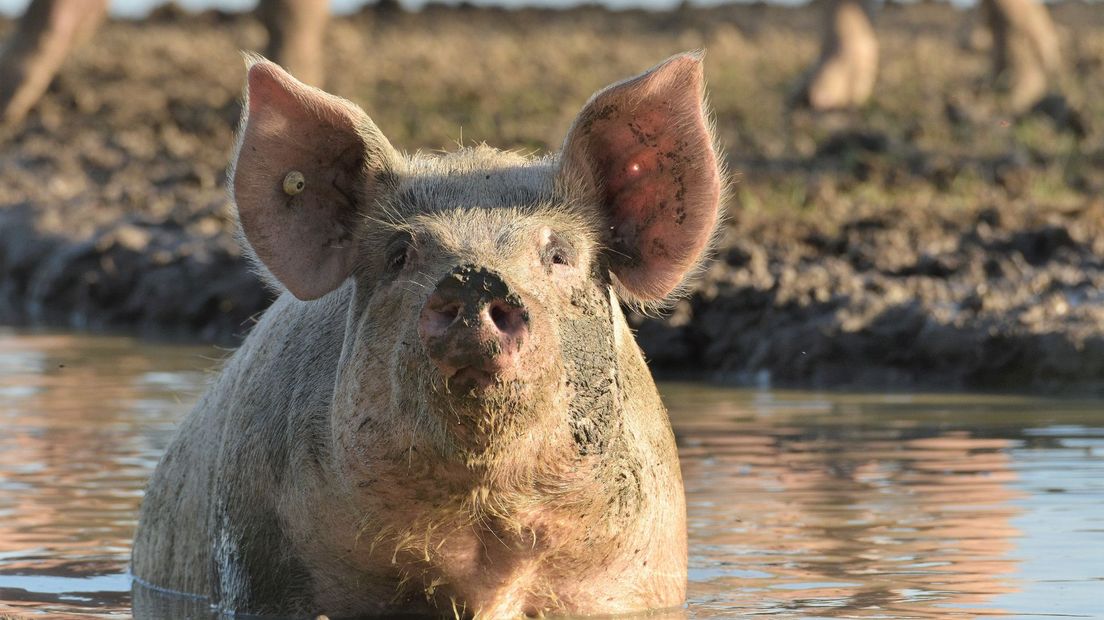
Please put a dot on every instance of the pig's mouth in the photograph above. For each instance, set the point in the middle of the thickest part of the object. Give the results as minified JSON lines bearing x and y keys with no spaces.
{"x":472,"y":381}
{"x":480,"y":398}
{"x":475,"y":368}
{"x":473,"y":373}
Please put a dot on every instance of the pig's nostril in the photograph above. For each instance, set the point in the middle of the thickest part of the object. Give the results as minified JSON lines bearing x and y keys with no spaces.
{"x":450,"y":312}
{"x":507,"y":319}
{"x":498,"y":315}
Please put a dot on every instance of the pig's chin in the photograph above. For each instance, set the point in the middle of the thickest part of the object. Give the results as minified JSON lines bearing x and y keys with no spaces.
{"x":474,"y":402}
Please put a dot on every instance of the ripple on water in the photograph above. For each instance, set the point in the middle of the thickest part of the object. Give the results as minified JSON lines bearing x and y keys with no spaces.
{"x":800,"y":505}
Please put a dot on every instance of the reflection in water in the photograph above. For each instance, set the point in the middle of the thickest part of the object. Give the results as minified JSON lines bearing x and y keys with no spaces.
{"x":83,"y":422}
{"x":838,"y":518}
{"x":800,"y":505}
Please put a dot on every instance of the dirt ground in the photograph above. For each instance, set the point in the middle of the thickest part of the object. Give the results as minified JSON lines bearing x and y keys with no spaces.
{"x":928,"y":241}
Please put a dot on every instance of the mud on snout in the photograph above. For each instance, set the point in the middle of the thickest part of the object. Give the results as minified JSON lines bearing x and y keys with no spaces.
{"x":478,"y":333}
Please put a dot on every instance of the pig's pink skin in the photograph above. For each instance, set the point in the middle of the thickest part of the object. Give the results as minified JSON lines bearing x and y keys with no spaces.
{"x":359,"y":456}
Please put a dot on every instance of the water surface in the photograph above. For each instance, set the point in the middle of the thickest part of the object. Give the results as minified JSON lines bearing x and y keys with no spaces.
{"x":801,"y":505}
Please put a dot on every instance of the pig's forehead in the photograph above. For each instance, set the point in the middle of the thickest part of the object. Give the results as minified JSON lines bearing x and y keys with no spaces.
{"x":473,"y":178}
{"x":504,"y":229}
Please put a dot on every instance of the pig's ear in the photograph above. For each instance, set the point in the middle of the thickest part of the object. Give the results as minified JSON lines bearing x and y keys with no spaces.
{"x":644,"y":149}
{"x":308,"y":167}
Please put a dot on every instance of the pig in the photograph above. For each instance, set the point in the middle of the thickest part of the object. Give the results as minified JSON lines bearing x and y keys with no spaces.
{"x":445,"y":412}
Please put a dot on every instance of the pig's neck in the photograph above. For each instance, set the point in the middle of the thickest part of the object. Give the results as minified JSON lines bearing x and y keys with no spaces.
{"x":492,"y":533}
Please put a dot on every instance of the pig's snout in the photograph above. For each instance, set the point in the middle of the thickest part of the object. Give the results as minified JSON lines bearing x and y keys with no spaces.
{"x":473,"y":327}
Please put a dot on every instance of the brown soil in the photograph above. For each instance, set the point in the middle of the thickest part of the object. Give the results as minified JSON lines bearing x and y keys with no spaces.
{"x":930,"y":240}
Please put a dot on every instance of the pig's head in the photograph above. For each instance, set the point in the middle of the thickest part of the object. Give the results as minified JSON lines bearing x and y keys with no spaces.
{"x":483,"y":286}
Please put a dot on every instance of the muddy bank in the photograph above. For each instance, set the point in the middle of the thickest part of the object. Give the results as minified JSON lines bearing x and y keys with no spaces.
{"x":897,"y":299}
{"x":930,"y":240}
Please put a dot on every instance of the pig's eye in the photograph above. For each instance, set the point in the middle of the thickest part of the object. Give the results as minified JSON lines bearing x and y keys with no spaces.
{"x":557,"y":252}
{"x":396,"y":260}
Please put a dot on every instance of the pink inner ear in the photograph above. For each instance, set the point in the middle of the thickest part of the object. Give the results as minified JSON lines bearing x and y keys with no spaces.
{"x":305,"y":239}
{"x":273,"y":92}
{"x":649,"y":147}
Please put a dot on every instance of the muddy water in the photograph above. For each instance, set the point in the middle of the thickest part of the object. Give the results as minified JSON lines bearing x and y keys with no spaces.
{"x":801,"y":504}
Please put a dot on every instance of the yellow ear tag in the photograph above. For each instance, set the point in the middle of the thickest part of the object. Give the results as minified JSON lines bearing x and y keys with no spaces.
{"x":294,"y":183}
